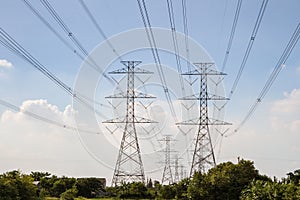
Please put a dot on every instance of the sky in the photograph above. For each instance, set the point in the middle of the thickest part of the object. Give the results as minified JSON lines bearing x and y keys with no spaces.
{"x":269,"y":138}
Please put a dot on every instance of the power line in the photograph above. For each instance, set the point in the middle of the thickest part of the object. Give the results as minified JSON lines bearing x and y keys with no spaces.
{"x":46,"y":23}
{"x":233,"y":28}
{"x":278,"y":67}
{"x":100,"y":30}
{"x":175,"y":43}
{"x":15,"y":47}
{"x":249,"y":47}
{"x":43,"y":119}
{"x":74,"y":39}
{"x":151,"y":39}
{"x":11,"y":44}
{"x":186,"y":35}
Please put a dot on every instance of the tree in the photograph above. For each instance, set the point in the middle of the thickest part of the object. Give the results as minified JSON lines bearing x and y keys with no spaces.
{"x":37,"y":176}
{"x":69,"y":194}
{"x":197,"y":187}
{"x":181,"y":189}
{"x":269,"y":190}
{"x":14,"y":185}
{"x":167,"y":192}
{"x":61,"y":185}
{"x":294,"y":177}
{"x":89,"y":187}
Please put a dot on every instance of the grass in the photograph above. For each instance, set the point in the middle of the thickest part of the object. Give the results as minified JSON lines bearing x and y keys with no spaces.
{"x":54,"y":198}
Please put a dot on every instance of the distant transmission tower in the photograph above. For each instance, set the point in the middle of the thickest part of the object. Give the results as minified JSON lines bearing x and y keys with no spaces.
{"x":176,"y":169}
{"x":167,"y":173}
{"x":203,"y":156}
{"x":129,"y":166}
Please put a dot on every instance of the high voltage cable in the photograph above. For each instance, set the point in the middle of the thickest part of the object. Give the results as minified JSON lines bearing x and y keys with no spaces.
{"x":151,"y":39}
{"x":73,"y":38}
{"x":43,"y":119}
{"x":249,"y":47}
{"x":45,"y":22}
{"x":186,"y":35}
{"x":11,"y":44}
{"x":175,"y":43}
{"x":233,"y":28}
{"x":100,"y":30}
{"x":280,"y":64}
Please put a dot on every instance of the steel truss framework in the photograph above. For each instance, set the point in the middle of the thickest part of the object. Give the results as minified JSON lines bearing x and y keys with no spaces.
{"x":203,"y":156}
{"x":129,"y":165}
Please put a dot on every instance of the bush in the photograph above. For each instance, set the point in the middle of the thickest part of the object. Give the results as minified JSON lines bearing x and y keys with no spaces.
{"x":69,"y":194}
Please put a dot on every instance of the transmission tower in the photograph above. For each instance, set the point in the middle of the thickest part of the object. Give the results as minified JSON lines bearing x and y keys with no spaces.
{"x":167,"y":173}
{"x":129,"y":166}
{"x":203,"y":156}
{"x":176,"y":167}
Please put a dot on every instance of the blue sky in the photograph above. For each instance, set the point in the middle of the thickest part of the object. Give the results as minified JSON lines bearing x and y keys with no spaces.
{"x":267,"y":138}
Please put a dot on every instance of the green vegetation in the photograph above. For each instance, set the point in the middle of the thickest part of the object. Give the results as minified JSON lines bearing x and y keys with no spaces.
{"x":225,"y":181}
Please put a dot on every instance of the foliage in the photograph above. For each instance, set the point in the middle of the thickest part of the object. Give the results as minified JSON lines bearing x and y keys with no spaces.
{"x":37,"y":176}
{"x":225,"y":181}
{"x":89,"y":187}
{"x":167,"y":192}
{"x":271,"y":190}
{"x":17,"y":186}
{"x":181,"y":189}
{"x":69,"y":194}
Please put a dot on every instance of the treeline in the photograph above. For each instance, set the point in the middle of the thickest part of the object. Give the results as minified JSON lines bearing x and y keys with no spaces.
{"x":225,"y":181}
{"x":38,"y":185}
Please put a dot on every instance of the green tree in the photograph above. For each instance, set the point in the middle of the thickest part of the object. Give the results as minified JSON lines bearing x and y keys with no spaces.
{"x":37,"y":176}
{"x":197,"y":187}
{"x":263,"y":190}
{"x":167,"y":192}
{"x":294,"y":177}
{"x":266,"y":190}
{"x":69,"y":194}
{"x":17,"y":186}
{"x":88,"y":187}
{"x":181,"y":189}
{"x":61,"y":185}
{"x":225,"y":181}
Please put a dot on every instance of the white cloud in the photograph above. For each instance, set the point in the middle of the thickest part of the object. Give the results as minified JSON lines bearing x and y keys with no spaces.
{"x":285,"y":113}
{"x":6,"y":64}
{"x":31,"y":145}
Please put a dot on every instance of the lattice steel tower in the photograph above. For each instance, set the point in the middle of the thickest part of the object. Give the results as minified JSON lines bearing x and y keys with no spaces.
{"x":167,"y":173}
{"x":129,"y":166}
{"x":203,"y":156}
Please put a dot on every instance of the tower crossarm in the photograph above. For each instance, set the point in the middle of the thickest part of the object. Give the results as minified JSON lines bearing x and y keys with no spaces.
{"x":208,"y":97}
{"x":137,"y":120}
{"x":137,"y":95}
{"x":197,"y":121}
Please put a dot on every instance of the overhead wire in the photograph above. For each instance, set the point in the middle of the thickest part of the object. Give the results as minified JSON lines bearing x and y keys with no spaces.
{"x":231,"y":37}
{"x":46,"y":23}
{"x":70,"y":47}
{"x":278,"y":67}
{"x":42,"y":118}
{"x":233,"y":28}
{"x":11,"y":44}
{"x":249,"y":47}
{"x":186,"y":40}
{"x":175,"y":43}
{"x":100,"y":30}
{"x":74,"y":39}
{"x":154,"y":50}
